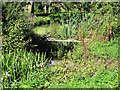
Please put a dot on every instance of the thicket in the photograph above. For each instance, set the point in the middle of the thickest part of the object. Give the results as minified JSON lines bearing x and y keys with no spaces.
{"x":16,"y":26}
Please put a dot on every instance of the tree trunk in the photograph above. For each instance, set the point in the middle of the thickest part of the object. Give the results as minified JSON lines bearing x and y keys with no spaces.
{"x":45,"y":8}
{"x":30,"y":7}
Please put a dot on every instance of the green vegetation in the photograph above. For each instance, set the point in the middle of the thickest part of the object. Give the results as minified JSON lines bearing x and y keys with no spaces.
{"x":103,"y":79}
{"x":28,"y":59}
{"x":43,"y":30}
{"x":109,"y":49}
{"x":19,"y":65}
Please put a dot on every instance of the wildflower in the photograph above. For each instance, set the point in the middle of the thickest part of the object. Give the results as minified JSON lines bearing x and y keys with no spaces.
{"x":31,"y":65}
{"x":37,"y":65}
{"x":13,"y":84}
{"x":6,"y":73}
{"x":1,"y":79}
{"x":5,"y":76}
{"x":34,"y":66}
{"x":9,"y":75}
{"x":41,"y":64}
{"x":15,"y":81}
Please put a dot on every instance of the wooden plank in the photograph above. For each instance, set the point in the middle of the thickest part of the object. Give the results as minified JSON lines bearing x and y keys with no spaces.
{"x":68,"y":40}
{"x":56,"y":40}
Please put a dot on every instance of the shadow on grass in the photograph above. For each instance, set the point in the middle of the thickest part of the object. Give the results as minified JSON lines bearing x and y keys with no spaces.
{"x":40,"y":44}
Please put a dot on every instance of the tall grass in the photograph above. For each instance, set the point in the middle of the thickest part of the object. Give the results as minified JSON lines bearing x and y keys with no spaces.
{"x":67,"y":29}
{"x":18,"y":65}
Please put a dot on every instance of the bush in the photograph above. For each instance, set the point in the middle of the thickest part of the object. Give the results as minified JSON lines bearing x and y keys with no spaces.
{"x":16,"y":26}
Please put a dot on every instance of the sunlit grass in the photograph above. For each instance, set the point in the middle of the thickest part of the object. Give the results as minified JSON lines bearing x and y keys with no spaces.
{"x":42,"y":30}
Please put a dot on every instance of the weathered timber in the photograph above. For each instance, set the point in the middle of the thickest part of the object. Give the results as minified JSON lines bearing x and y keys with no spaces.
{"x":68,"y":40}
{"x":56,"y":40}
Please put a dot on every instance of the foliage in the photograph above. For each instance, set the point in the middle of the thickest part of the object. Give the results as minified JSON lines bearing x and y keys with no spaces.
{"x":42,"y":30}
{"x":41,"y":20}
{"x":15,"y":26}
{"x":38,"y":79}
{"x":111,"y":10}
{"x":88,"y":73}
{"x":77,"y":53}
{"x":96,"y":23}
{"x":98,"y":69}
{"x":68,"y":27}
{"x":19,"y":65}
{"x":104,"y":79}
{"x":108,"y":50}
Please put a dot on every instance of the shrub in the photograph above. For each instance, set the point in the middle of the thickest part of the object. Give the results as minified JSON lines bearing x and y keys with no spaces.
{"x":16,"y":26}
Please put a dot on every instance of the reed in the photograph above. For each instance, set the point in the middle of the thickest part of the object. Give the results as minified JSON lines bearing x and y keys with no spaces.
{"x":19,"y":64}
